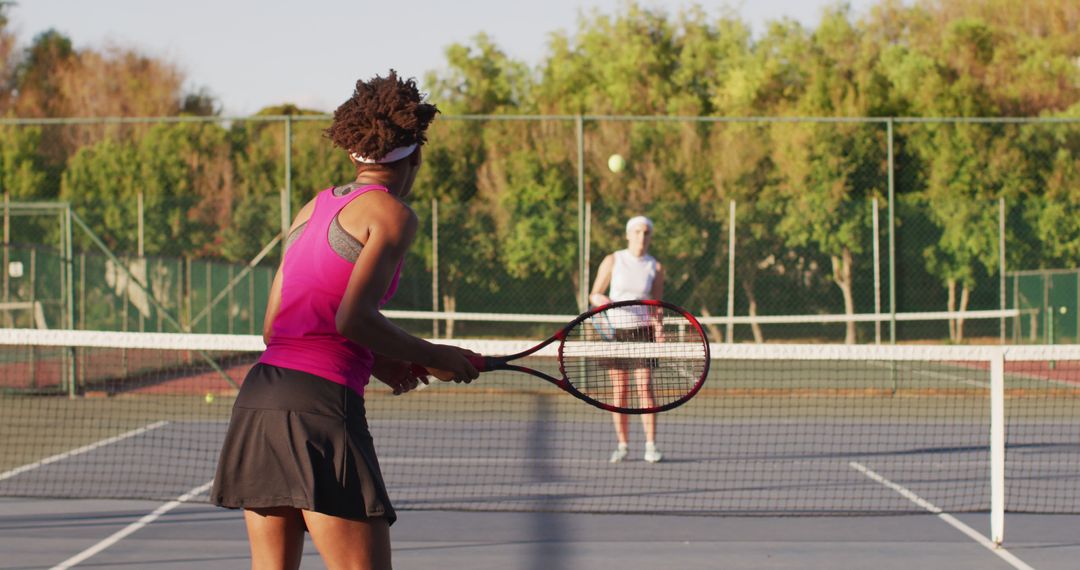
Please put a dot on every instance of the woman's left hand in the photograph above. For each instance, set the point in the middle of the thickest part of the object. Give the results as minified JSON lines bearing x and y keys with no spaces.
{"x":397,"y":374}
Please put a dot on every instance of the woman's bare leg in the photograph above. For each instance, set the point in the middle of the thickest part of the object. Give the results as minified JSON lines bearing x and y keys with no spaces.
{"x":276,"y":535}
{"x":350,"y":544}
{"x":643,"y":388}
{"x":619,"y":381}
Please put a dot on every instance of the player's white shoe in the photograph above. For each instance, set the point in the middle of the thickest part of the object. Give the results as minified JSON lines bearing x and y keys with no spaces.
{"x":619,"y":454}
{"x":652,"y":455}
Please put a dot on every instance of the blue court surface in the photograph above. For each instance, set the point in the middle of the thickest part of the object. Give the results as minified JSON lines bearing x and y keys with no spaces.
{"x":45,"y":534}
{"x":749,"y":480}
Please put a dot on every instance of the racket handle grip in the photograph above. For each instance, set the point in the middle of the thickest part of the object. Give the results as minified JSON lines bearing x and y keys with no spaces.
{"x":480,"y":363}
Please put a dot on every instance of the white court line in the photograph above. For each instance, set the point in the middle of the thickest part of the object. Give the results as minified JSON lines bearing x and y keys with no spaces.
{"x":1037,"y":378}
{"x":951,"y":520}
{"x":81,"y":450}
{"x":940,"y":375}
{"x":120,"y":534}
{"x":978,"y":384}
{"x":485,"y":461}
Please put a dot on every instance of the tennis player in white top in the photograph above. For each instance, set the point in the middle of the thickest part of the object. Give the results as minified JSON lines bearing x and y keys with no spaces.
{"x":632,"y":274}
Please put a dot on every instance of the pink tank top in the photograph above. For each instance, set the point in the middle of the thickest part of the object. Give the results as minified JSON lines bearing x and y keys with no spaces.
{"x":304,"y":334}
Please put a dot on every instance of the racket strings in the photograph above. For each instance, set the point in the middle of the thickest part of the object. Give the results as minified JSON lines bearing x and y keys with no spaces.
{"x":650,"y":357}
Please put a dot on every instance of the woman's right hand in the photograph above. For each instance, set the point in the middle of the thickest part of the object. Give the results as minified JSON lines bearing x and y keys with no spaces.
{"x":599,"y":300}
{"x":452,"y":363}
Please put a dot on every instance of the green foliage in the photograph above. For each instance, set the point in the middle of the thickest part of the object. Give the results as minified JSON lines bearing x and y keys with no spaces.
{"x":35,"y":76}
{"x":506,"y":191}
{"x":99,"y":182}
{"x":539,"y":226}
{"x":180,"y":170}
{"x":22,"y":172}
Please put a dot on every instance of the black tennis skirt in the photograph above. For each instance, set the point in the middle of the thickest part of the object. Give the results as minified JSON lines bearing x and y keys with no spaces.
{"x":299,"y":440}
{"x":638,"y":334}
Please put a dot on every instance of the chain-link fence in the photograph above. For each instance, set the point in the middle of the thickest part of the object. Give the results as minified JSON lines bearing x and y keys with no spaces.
{"x":754,"y":217}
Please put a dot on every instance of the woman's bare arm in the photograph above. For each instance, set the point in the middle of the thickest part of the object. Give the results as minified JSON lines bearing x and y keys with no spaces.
{"x":387,"y":228}
{"x":658,"y":283}
{"x":598,"y":296}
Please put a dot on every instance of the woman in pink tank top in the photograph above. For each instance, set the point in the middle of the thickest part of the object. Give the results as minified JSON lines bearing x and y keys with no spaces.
{"x":298,"y":455}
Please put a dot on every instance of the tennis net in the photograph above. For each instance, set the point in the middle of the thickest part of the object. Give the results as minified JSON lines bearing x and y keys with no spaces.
{"x":777,"y":429}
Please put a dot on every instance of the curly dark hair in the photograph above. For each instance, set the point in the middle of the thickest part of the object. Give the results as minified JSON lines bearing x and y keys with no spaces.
{"x":384,"y":113}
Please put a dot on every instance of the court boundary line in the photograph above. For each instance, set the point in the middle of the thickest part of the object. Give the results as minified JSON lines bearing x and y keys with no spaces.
{"x":952,"y":521}
{"x":131,"y":528}
{"x":80,"y":450}
{"x":935,"y":374}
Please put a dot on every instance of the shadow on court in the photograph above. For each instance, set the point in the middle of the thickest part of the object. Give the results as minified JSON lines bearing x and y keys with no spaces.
{"x":43,"y":533}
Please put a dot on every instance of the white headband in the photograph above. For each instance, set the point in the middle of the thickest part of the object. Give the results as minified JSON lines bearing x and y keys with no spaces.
{"x":638,"y":220}
{"x":392,"y":156}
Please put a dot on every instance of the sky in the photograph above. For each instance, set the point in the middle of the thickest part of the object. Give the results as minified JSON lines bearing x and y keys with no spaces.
{"x":250,"y":54}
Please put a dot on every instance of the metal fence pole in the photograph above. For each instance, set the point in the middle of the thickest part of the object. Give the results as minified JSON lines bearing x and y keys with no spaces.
{"x":892,"y":236}
{"x":286,"y":191}
{"x":730,"y":333}
{"x":33,"y":298}
{"x":141,"y":251}
{"x":877,"y":272}
{"x":588,"y":247}
{"x":1001,"y":261}
{"x":434,"y":265}
{"x":69,"y":291}
{"x":69,"y":261}
{"x":583,"y":289}
{"x":7,"y":258}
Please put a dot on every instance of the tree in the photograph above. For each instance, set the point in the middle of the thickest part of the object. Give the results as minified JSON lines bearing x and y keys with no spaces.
{"x":827,"y":173}
{"x":965,"y":167}
{"x":99,"y":182}
{"x":7,"y":71}
{"x":22,"y":169}
{"x":480,"y":79}
{"x":258,"y":153}
{"x":181,"y":170}
{"x":187,"y":179}
{"x":1049,"y":211}
{"x":644,"y":62}
{"x":37,"y":76}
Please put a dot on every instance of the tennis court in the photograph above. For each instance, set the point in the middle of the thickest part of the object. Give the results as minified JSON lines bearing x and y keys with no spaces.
{"x":44,"y":533}
{"x":811,"y":456}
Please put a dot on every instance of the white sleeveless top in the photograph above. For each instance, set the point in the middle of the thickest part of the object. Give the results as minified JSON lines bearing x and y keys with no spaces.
{"x":631,"y":280}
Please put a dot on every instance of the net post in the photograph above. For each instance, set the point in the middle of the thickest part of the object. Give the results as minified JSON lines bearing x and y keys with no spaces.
{"x":997,"y":447}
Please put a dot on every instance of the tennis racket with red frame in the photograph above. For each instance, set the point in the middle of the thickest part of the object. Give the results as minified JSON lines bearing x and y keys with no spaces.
{"x":655,"y":358}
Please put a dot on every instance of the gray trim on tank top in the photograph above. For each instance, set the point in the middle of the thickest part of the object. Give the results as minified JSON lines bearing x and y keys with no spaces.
{"x":342,"y":242}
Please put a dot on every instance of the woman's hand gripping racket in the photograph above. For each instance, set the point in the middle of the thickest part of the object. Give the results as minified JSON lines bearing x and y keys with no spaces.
{"x":655,"y":359}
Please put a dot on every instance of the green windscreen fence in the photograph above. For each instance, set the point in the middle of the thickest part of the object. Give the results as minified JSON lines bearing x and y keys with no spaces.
{"x":1049,"y":305}
{"x":129,"y":293}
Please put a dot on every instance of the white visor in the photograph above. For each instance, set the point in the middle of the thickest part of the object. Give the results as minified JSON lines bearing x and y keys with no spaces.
{"x":638,"y":220}
{"x":392,"y":156}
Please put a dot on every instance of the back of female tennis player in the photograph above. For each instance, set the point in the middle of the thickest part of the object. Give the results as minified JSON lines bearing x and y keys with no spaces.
{"x":298,"y":455}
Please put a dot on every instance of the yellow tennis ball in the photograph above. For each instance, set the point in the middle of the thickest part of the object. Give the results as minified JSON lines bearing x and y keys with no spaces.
{"x":209,"y":398}
{"x":616,"y":163}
